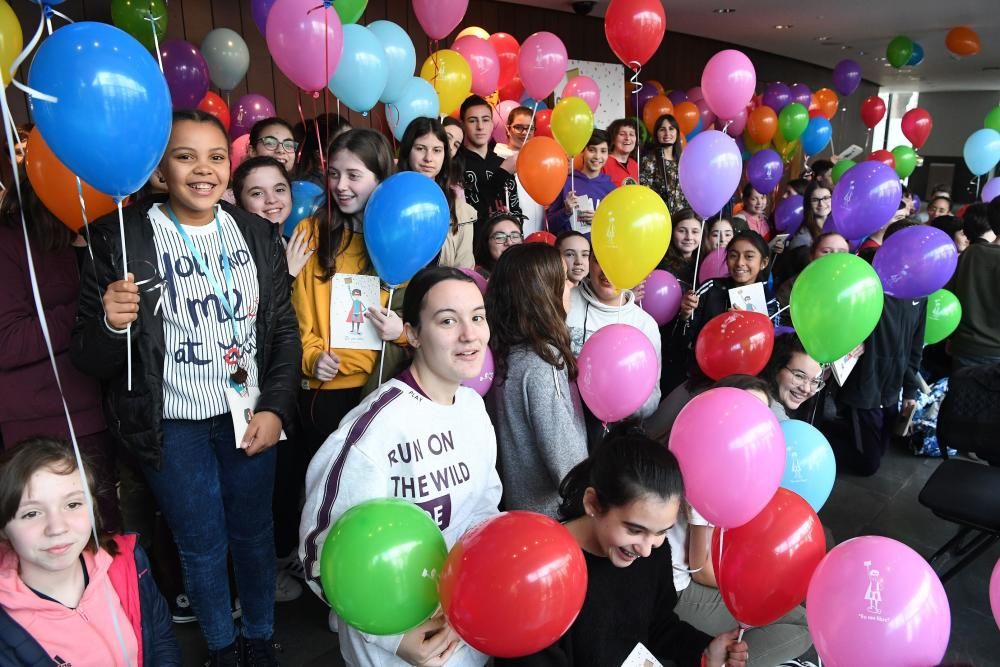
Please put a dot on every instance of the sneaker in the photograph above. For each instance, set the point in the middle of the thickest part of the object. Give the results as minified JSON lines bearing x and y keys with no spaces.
{"x":797,"y":663}
{"x":227,"y":657}
{"x":181,"y":611}
{"x":285,"y":587}
{"x":292,"y":565}
{"x":260,"y":652}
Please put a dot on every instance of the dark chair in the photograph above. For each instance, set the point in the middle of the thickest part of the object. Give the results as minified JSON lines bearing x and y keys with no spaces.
{"x":967,"y":492}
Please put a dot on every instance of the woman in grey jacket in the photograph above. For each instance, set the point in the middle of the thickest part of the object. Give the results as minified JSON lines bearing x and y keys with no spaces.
{"x":539,"y":419}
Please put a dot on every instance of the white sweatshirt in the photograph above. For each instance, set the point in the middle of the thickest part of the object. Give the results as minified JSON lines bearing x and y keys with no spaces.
{"x":399,"y":444}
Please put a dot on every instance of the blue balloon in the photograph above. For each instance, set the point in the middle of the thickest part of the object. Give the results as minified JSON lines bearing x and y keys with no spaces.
{"x":530,"y":102}
{"x":406,"y":223}
{"x":112,"y":120}
{"x":917,"y":57}
{"x":418,"y":99}
{"x":981,"y":152}
{"x":694,"y":132}
{"x":400,"y":58}
{"x":362,"y":73}
{"x":817,"y":135}
{"x":810,"y":467}
{"x":307,"y":197}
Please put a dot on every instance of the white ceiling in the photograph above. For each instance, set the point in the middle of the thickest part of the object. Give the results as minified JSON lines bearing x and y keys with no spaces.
{"x":858,"y":29}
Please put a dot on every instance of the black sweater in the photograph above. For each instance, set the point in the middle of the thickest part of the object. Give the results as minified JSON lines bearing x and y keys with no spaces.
{"x":624,"y":606}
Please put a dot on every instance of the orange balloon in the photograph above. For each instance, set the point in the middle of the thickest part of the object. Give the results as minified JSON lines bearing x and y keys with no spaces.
{"x":542,"y":167}
{"x":55,"y":186}
{"x":962,"y":41}
{"x":827,"y":101}
{"x":687,"y":115}
{"x":656,"y":107}
{"x":762,"y":124}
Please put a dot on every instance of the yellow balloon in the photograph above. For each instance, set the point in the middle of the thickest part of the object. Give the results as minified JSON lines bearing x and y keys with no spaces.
{"x":11,"y":40}
{"x":474,"y":31}
{"x":451,"y":77}
{"x":785,"y":148}
{"x":572,"y":124}
{"x":630,"y":234}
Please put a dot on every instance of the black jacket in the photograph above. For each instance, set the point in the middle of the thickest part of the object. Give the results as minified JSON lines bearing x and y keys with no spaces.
{"x":134,"y":416}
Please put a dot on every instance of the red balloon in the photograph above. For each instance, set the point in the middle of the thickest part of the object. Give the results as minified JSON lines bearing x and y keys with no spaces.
{"x":737,"y":341}
{"x":917,"y":125}
{"x":513,"y":90}
{"x":634,"y":29}
{"x":216,"y":106}
{"x":816,"y":113}
{"x":766,"y":564}
{"x":513,"y":584}
{"x":548,"y":238}
{"x":543,"y":123}
{"x":507,"y":50}
{"x":872,"y":111}
{"x":885,"y":157}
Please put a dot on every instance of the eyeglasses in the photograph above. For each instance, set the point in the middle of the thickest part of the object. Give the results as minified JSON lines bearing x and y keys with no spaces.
{"x":520,"y":129}
{"x":805,"y":381}
{"x":821,"y":200}
{"x":272,"y":144}
{"x":503,"y":239}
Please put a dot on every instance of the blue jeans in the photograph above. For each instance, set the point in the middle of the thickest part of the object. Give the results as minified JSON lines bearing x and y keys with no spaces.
{"x":216,"y":499}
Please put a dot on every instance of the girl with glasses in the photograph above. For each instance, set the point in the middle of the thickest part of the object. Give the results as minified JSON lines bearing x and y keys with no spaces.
{"x":502,"y":231}
{"x":273,"y":137}
{"x":818,"y":200}
{"x":793,"y":379}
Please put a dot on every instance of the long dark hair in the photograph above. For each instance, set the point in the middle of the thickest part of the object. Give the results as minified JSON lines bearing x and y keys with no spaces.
{"x":481,"y":249}
{"x":420,"y":127}
{"x":316,"y":134}
{"x":785,"y":347}
{"x":45,"y":231}
{"x":810,"y":220}
{"x":624,"y":468}
{"x":373,"y":150}
{"x":524,"y":307}
{"x":677,"y":146}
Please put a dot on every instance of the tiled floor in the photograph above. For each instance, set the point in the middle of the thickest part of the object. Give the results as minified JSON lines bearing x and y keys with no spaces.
{"x":882,"y":505}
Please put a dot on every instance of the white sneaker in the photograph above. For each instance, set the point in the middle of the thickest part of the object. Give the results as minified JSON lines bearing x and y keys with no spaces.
{"x":285,"y":587}
{"x":292,"y":565}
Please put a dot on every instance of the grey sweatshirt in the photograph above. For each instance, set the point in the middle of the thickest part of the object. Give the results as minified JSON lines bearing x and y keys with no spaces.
{"x":540,"y":431}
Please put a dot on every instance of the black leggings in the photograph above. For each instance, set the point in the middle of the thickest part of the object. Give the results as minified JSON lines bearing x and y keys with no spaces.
{"x":867,"y":439}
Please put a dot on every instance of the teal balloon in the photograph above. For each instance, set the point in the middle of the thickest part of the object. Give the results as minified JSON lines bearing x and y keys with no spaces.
{"x":362,"y":74}
{"x":307,"y":197}
{"x":981,"y":152}
{"x":816,"y":136}
{"x":418,"y":99}
{"x":400,"y":59}
{"x":810,"y":467}
{"x":899,"y":51}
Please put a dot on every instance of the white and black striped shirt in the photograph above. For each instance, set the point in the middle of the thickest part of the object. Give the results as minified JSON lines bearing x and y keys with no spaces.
{"x":197,"y":330}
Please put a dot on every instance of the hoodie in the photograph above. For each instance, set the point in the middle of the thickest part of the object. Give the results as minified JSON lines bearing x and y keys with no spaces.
{"x":596,"y":188}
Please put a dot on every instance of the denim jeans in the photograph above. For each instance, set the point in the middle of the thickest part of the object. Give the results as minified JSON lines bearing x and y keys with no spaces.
{"x":217,"y":500}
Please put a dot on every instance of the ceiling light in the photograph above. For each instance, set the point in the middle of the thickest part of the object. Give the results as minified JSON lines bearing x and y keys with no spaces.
{"x":822,"y":39}
{"x":783,"y":26}
{"x":724,"y":10}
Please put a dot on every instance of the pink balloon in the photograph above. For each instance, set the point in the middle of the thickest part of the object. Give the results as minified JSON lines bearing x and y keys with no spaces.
{"x":732,"y":455}
{"x":663,"y":296}
{"x":238,"y":151}
{"x":484,"y":380}
{"x":500,"y":114}
{"x":736,"y":124}
{"x":541,"y":64}
{"x":995,"y":593}
{"x":586,"y":89}
{"x":439,"y":17}
{"x":618,"y":370}
{"x":483,"y":61}
{"x":875,"y":601}
{"x":298,"y":32}
{"x":728,"y":82}
{"x":476,"y":278}
{"x":713,"y":265}
{"x":695,"y":93}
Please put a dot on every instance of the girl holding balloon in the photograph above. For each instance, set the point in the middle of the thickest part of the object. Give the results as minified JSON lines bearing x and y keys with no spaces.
{"x":684,"y":241}
{"x":621,"y":165}
{"x":659,"y":167}
{"x":443,"y":432}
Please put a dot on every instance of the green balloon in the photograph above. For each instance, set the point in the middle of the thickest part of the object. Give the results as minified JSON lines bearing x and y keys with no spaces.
{"x":944,"y":312}
{"x":380,"y":566}
{"x":792,"y":121}
{"x":993,"y":119}
{"x":350,"y":10}
{"x":840,"y":169}
{"x":899,"y":51}
{"x":906,"y":160}
{"x":133,"y":16}
{"x":835,"y":304}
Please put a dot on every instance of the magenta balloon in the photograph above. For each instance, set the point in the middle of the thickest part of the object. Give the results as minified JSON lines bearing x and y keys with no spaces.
{"x":586,"y":89}
{"x":710,"y":170}
{"x":777,"y":96}
{"x":865,"y":198}
{"x":734,"y":126}
{"x":713,"y":265}
{"x":764,"y":170}
{"x":482,"y":382}
{"x":728,"y":82}
{"x":618,"y":369}
{"x":476,"y":278}
{"x":695,"y":93}
{"x":500,"y":114}
{"x":663,"y":296}
{"x":915,"y":262}
{"x":875,"y":601}
{"x":732,"y":455}
{"x":186,"y":73}
{"x":801,"y":94}
{"x":247,"y":111}
{"x":846,"y":76}
{"x":483,"y":61}
{"x":789,"y":214}
{"x":238,"y":151}
{"x":707,"y":117}
{"x":995,"y":593}
{"x":299,"y":33}
{"x":541,"y":64}
{"x":677,"y":96}
{"x":439,"y":17}
{"x":991,"y":190}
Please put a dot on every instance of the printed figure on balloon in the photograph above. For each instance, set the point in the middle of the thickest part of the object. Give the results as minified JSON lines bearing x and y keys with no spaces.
{"x":874,"y":592}
{"x":796,"y":468}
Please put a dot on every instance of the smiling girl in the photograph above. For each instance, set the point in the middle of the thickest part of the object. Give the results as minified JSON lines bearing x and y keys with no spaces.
{"x":659,"y":166}
{"x":621,"y":165}
{"x":682,"y":251}
{"x":754,"y":213}
{"x":273,"y":137}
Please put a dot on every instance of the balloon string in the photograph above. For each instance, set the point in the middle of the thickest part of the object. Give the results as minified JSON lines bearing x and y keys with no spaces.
{"x":531,"y":123}
{"x":739,"y":638}
{"x":621,"y":304}
{"x":128,"y":329}
{"x":381,"y":359}
{"x":90,"y":247}
{"x":21,"y":57}
{"x":697,"y":257}
{"x":47,"y":336}
{"x":319,"y":140}
{"x":780,"y":312}
{"x":156,"y":40}
{"x":636,"y":87}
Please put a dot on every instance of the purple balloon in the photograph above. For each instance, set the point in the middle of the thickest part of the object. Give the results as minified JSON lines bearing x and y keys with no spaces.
{"x":777,"y":96}
{"x":677,"y":96}
{"x":789,"y":214}
{"x":846,"y":76}
{"x":764,"y":170}
{"x":710,"y":169}
{"x":186,"y":73}
{"x":248,"y":110}
{"x":482,"y":382}
{"x":646,"y":93}
{"x":990,"y":191}
{"x":801,"y":94}
{"x":915,"y":262}
{"x":694,"y":94}
{"x":260,"y":9}
{"x":663,"y":296}
{"x":865,"y":198}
